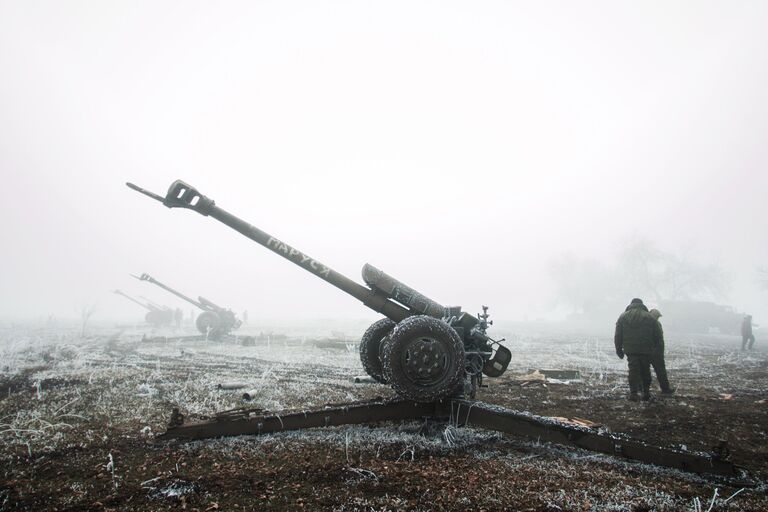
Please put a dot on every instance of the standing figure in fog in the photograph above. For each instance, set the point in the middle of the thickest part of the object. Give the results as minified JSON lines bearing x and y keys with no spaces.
{"x":747,"y":338}
{"x":657,"y":359}
{"x":637,"y":335}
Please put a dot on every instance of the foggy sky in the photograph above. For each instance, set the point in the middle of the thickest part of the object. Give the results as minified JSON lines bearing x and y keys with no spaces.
{"x":459,"y":146}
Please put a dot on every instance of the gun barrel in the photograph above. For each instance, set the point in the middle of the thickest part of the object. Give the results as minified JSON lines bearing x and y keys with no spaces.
{"x":182,"y":195}
{"x":370,"y":298}
{"x":147,"y":277}
{"x":158,"y":306}
{"x":145,"y":306}
{"x":210,"y":305}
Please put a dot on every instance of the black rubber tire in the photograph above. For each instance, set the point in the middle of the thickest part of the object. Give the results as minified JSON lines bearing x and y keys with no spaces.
{"x":435,"y":371}
{"x":208,"y":323}
{"x":370,"y":348}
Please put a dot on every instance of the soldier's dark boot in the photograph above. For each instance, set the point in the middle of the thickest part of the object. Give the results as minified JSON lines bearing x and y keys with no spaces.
{"x":633,"y":397}
{"x":668,"y":391}
{"x":646,"y":396}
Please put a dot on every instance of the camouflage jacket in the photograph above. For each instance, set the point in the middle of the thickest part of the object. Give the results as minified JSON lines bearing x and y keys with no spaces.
{"x":637,"y":332}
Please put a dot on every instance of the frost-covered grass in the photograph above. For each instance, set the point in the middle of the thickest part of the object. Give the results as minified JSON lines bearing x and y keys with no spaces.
{"x":126,"y":375}
{"x":687,"y":357}
{"x":62,"y":392}
{"x":126,"y":383}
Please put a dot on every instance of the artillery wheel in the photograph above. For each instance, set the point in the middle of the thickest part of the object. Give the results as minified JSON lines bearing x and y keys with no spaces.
{"x":424,"y":359}
{"x":208,"y":323}
{"x":370,"y":348}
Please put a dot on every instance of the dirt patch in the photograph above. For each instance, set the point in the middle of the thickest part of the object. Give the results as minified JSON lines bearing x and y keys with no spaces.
{"x":18,"y":382}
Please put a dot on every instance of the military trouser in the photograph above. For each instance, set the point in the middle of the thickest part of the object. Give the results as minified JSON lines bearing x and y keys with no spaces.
{"x":639,"y":373}
{"x":745,"y":339}
{"x":657,"y":361}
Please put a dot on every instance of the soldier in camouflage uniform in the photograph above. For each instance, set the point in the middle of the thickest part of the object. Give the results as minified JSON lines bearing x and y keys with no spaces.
{"x":657,"y":359}
{"x":637,"y":335}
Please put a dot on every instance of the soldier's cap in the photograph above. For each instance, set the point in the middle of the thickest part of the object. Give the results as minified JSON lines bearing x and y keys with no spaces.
{"x":636,"y":301}
{"x":655,"y":313}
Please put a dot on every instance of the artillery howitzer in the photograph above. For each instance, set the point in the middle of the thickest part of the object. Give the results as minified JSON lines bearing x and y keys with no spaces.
{"x":431,"y":355}
{"x":426,"y":351}
{"x":214,"y":321}
{"x":156,"y":315}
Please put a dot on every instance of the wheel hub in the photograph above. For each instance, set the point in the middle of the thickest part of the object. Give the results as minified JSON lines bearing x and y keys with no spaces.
{"x":425,"y":361}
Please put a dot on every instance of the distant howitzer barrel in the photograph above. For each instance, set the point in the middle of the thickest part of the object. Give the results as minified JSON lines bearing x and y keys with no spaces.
{"x":425,"y":350}
{"x":150,"y":279}
{"x":145,"y":306}
{"x":156,"y":316}
{"x":153,"y":304}
{"x":214,"y":321}
{"x":210,"y":306}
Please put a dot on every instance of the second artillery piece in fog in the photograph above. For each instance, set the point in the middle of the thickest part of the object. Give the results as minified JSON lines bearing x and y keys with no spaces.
{"x":214,"y":321}
{"x":156,"y":316}
{"x":426,"y":351}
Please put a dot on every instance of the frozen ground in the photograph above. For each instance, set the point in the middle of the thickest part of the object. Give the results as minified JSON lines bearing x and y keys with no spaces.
{"x":78,"y":416}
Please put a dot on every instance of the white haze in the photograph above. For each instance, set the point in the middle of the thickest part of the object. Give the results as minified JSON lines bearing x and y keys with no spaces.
{"x":459,"y":146}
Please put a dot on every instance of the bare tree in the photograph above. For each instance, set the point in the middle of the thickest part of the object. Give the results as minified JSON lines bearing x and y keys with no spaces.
{"x":662,"y":275}
{"x":641,"y":270}
{"x":583,"y":284}
{"x":86,"y":311}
